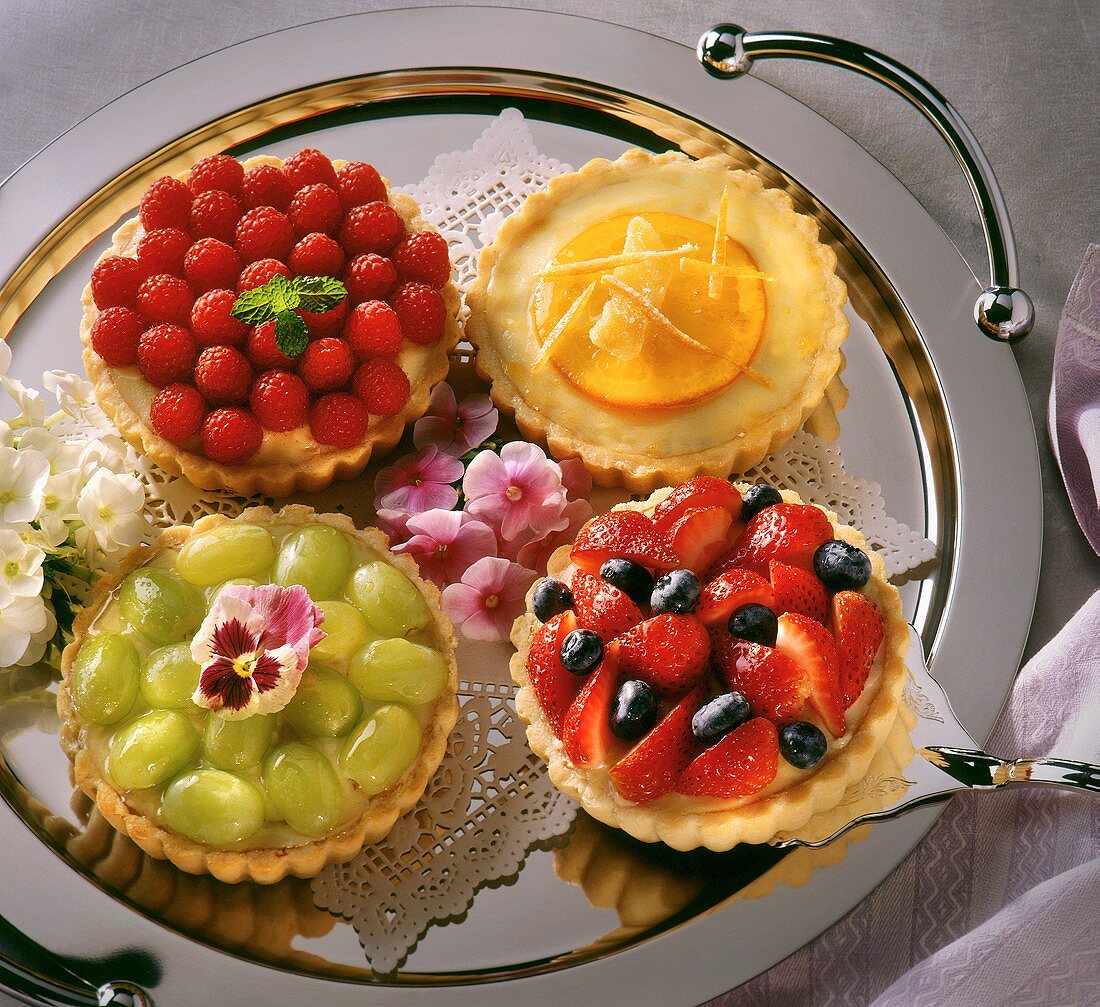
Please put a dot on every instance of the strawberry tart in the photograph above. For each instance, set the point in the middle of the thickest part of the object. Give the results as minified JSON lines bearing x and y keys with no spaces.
{"x":266,"y":326}
{"x":710,"y":666}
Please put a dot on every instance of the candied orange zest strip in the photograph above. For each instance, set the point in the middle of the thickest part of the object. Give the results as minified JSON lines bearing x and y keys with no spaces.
{"x":609,"y":262}
{"x":718,"y":249}
{"x":701,"y":268}
{"x":558,"y":331}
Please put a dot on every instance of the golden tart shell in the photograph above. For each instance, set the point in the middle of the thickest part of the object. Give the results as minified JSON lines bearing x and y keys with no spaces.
{"x":752,"y":820}
{"x":264,"y":866}
{"x":313,"y":466}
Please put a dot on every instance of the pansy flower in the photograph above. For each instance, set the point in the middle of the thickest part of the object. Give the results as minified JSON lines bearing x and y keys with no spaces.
{"x":252,"y":648}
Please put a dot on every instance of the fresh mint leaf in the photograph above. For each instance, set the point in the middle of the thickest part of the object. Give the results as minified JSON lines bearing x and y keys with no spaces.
{"x":282,"y":294}
{"x":319,"y":293}
{"x":253,"y":306}
{"x":291,"y":335}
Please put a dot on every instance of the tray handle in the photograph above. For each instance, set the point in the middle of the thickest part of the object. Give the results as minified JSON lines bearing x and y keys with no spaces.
{"x":1002,"y":311}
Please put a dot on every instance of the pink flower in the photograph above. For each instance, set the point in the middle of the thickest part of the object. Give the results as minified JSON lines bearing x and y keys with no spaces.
{"x":489,"y":598}
{"x":395,"y":523}
{"x":419,"y":482}
{"x":535,"y":553}
{"x":252,"y":648}
{"x":445,"y":542}
{"x":520,"y":489}
{"x":453,"y":428}
{"x":575,"y":478}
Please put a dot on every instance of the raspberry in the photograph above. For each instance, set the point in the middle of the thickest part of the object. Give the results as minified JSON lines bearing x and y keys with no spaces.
{"x":214,"y":214}
{"x":264,"y":352}
{"x":372,"y":227}
{"x":211,"y":265}
{"x":212,"y":321}
{"x":382,"y":386}
{"x":326,"y":364}
{"x":264,"y":233}
{"x":338,"y":419}
{"x":115,"y":282}
{"x":231,"y":435}
{"x":316,"y":208}
{"x":176,"y":413}
{"x":166,"y":203}
{"x":223,"y":375}
{"x":373,"y":330}
{"x":164,"y":298}
{"x":266,"y":185}
{"x":369,"y":277}
{"x":359,"y":183}
{"x":423,"y":256}
{"x":309,"y":167}
{"x":218,"y":171}
{"x":316,"y":255}
{"x":162,"y":251}
{"x":259,"y":273}
{"x":115,"y":335}
{"x":421,"y":311}
{"x":280,"y":400}
{"x":326,"y":323}
{"x":166,"y":354}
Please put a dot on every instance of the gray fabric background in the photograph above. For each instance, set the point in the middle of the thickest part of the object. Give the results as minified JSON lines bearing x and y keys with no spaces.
{"x":1022,"y":72}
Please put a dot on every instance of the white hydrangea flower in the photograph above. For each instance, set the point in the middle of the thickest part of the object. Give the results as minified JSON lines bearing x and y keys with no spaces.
{"x":7,"y":435}
{"x":20,"y":566}
{"x":109,"y":451}
{"x":111,"y":506}
{"x":5,"y":357}
{"x":23,"y":476}
{"x":75,"y":396}
{"x":59,"y":506}
{"x":36,"y":646}
{"x":20,"y":620}
{"x":61,"y":454}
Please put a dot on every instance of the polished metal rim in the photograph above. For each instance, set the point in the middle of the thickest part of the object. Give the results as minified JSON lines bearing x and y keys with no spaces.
{"x":992,"y":448}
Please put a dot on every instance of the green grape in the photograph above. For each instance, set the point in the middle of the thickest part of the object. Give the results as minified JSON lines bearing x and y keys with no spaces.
{"x":151,"y":749}
{"x":170,"y":677}
{"x":388,"y":599}
{"x":104,"y":681}
{"x":210,"y":806}
{"x":213,"y":592}
{"x":345,"y":630}
{"x":325,"y":704}
{"x":304,"y":788}
{"x":382,"y":748}
{"x":317,"y":557}
{"x":226,"y":552}
{"x":161,"y":605}
{"x":398,"y":670}
{"x":237,"y":744}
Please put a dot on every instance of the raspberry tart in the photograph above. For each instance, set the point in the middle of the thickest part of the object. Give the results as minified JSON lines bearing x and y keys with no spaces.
{"x":259,"y":697}
{"x":659,"y":317}
{"x":267,"y":326}
{"x":711,"y":666}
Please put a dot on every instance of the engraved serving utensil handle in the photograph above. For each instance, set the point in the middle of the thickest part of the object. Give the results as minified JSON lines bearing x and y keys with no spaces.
{"x":976,"y":770}
{"x":1002,"y":311}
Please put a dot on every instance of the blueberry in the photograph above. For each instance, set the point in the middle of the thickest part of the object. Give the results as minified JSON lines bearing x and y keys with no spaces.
{"x":754,"y":622}
{"x":842,"y":567}
{"x":721,"y":715}
{"x":758,"y":497}
{"x":632,"y":579}
{"x":633,"y":710}
{"x":551,"y":597}
{"x":802,"y":744}
{"x":581,"y":651}
{"x":675,"y":591}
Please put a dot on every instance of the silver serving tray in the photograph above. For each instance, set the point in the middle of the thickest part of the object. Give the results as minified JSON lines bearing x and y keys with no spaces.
{"x":937,"y":416}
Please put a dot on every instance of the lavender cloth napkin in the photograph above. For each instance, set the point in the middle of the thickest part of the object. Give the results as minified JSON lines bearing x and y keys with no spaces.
{"x":1074,"y":415}
{"x":1000,"y":903}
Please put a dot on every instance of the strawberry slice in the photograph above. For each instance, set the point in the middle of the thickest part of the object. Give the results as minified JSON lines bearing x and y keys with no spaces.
{"x":586,"y":731}
{"x":700,"y":536}
{"x":702,"y":491}
{"x":669,"y":651}
{"x":728,"y":592}
{"x":798,"y":590}
{"x":857,"y":626}
{"x":654,"y":765}
{"x":787,"y":532}
{"x":744,"y":762}
{"x":602,"y":607}
{"x":554,"y":684}
{"x":773,"y":684}
{"x":812,"y":647}
{"x":627,"y":534}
